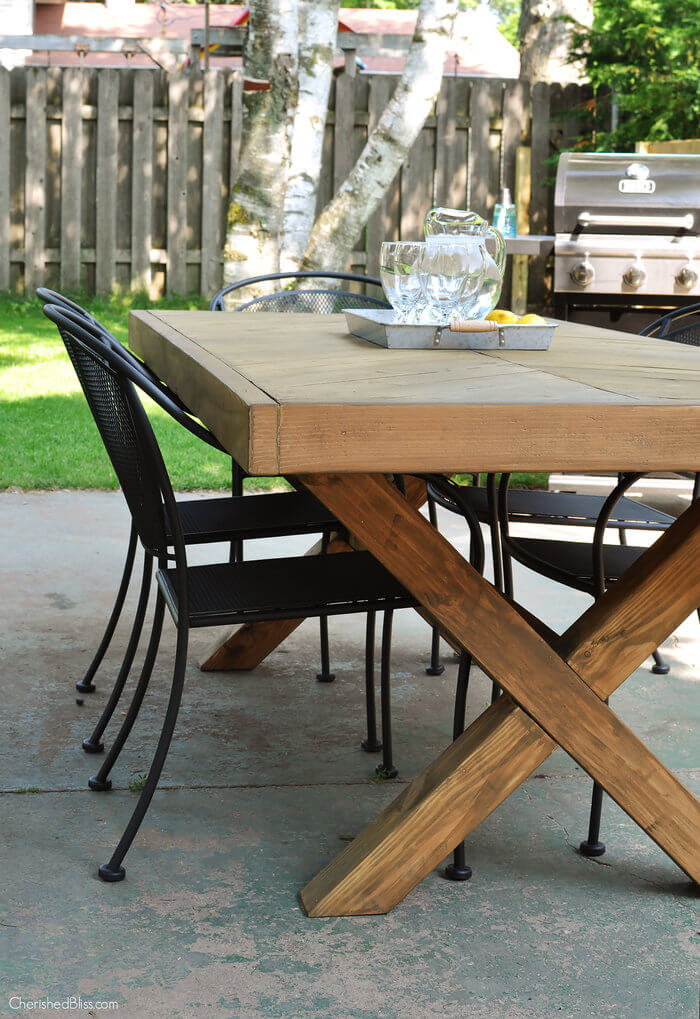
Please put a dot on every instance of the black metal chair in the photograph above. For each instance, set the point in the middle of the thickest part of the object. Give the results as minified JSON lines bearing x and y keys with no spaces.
{"x":320,"y":302}
{"x":212,"y":595}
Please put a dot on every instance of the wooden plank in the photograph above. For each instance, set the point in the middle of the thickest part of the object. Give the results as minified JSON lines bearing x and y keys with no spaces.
{"x":212,"y":182}
{"x":479,"y":158}
{"x":177,"y":181}
{"x":637,"y":613}
{"x":35,"y":180}
{"x":474,"y":615}
{"x":236,"y":125}
{"x":343,"y":131}
{"x":5,"y":179}
{"x":71,"y":178}
{"x":107,"y":175}
{"x":142,"y":182}
{"x":243,"y":417}
{"x":540,"y":193}
{"x":515,"y":103}
{"x":380,"y":226}
{"x":518,"y":301}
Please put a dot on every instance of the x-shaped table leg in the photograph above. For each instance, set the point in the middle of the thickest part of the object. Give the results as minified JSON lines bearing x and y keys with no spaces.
{"x":556,"y":695}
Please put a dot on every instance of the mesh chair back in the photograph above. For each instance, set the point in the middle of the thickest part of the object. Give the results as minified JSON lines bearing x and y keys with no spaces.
{"x":315,"y":303}
{"x":123,"y":426}
{"x":679,"y":326}
{"x":321,"y":302}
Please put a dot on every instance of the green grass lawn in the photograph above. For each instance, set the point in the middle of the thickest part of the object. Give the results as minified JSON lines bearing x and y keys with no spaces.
{"x":47,"y":435}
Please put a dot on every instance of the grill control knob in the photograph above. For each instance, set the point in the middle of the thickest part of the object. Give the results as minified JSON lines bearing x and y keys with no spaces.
{"x":635,"y":275}
{"x":583,"y":273}
{"x":686,"y":277}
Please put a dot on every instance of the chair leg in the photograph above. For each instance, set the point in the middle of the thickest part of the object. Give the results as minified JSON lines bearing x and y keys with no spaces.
{"x":371,"y":745}
{"x":386,"y":769}
{"x":459,"y":870}
{"x":236,"y":549}
{"x":592,"y":846}
{"x":114,"y":871}
{"x":86,"y":685}
{"x":660,"y":666}
{"x":435,"y":668}
{"x":325,"y":675}
{"x":101,"y":782}
{"x":93,"y":744}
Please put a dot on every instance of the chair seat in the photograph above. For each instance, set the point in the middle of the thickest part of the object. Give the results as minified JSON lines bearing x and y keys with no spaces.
{"x":252,"y":516}
{"x":531,"y":506}
{"x":297,"y":586}
{"x":576,"y":557}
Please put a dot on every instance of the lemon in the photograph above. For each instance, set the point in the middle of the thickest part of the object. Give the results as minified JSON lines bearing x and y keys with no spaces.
{"x":504,"y":317}
{"x":532,"y":320}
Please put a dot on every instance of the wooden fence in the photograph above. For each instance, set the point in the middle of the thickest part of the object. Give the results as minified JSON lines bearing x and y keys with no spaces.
{"x":121,"y":177}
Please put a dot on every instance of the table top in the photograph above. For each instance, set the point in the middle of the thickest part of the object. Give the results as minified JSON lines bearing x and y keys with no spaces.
{"x":289,"y":393}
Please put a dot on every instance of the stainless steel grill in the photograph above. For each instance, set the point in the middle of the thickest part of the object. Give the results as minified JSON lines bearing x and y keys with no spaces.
{"x":627,"y":235}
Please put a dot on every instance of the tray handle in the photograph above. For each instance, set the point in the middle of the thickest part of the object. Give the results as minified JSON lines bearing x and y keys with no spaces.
{"x":473,"y":325}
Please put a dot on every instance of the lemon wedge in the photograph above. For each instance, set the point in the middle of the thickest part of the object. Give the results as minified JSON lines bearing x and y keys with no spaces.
{"x":501,"y":316}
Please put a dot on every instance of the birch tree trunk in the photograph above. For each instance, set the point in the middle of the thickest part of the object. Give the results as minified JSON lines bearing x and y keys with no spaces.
{"x":255,"y":216}
{"x":318,"y":24}
{"x":337,"y":228}
{"x":544,"y":33}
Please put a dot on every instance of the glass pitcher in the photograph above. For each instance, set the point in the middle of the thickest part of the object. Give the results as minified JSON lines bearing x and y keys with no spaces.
{"x":464,"y":223}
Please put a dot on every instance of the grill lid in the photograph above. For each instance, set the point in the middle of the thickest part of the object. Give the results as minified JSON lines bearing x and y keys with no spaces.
{"x":627,"y":193}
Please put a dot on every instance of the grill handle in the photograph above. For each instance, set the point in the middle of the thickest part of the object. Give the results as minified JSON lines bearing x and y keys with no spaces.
{"x":602,"y":219}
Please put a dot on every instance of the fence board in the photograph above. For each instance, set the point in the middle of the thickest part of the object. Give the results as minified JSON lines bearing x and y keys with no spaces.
{"x":177,"y":181}
{"x":236,"y":125}
{"x":142,"y":181}
{"x":539,"y":188}
{"x":71,"y":178}
{"x":479,"y":155}
{"x":212,"y":182}
{"x":5,"y":107}
{"x":106,"y":182}
{"x":35,"y":179}
{"x":344,"y":141}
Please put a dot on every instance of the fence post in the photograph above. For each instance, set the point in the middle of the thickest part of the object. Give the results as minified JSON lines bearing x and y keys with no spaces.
{"x":35,"y":180}
{"x":106,"y":187}
{"x":178,"y":110}
{"x":71,"y":177}
{"x":5,"y":179}
{"x":142,"y":181}
{"x":212,"y":181}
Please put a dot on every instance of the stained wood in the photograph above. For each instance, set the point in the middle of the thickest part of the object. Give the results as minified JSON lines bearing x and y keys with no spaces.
{"x":566,"y":709}
{"x":596,"y":400}
{"x":344,"y":149}
{"x":212,"y":182}
{"x":380,"y":225}
{"x":177,"y":181}
{"x":236,"y":124}
{"x":5,"y":179}
{"x":106,"y":192}
{"x":35,"y":180}
{"x":142,"y":181}
{"x":71,"y":178}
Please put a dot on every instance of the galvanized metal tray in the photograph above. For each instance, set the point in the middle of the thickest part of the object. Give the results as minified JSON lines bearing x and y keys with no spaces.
{"x":379,"y":326}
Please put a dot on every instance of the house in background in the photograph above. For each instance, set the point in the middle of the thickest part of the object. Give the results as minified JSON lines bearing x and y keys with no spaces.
{"x":118,"y":33}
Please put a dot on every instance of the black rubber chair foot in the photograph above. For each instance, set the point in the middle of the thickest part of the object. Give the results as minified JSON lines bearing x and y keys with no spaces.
{"x":661,"y":670}
{"x":384,"y":774}
{"x":93,"y":748}
{"x":84,"y":687}
{"x":371,"y":746}
{"x":108,"y":873}
{"x":454,"y":873}
{"x":99,"y":785}
{"x":325,"y":677}
{"x":592,"y":848}
{"x":435,"y":670}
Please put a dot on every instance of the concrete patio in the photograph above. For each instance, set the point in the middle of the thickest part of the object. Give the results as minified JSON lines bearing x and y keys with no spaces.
{"x":264,"y":781}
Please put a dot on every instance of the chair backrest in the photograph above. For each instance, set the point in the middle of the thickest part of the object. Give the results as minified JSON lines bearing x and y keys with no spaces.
{"x":141,"y":373}
{"x":123,"y":426}
{"x":679,"y":326}
{"x":321,"y":301}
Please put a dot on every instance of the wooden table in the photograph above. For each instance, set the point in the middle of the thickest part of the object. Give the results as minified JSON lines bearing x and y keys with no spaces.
{"x":297,"y":395}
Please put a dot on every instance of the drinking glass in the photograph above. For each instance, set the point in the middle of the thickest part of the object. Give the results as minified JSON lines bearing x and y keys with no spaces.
{"x":451,"y":272}
{"x":398,"y":271}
